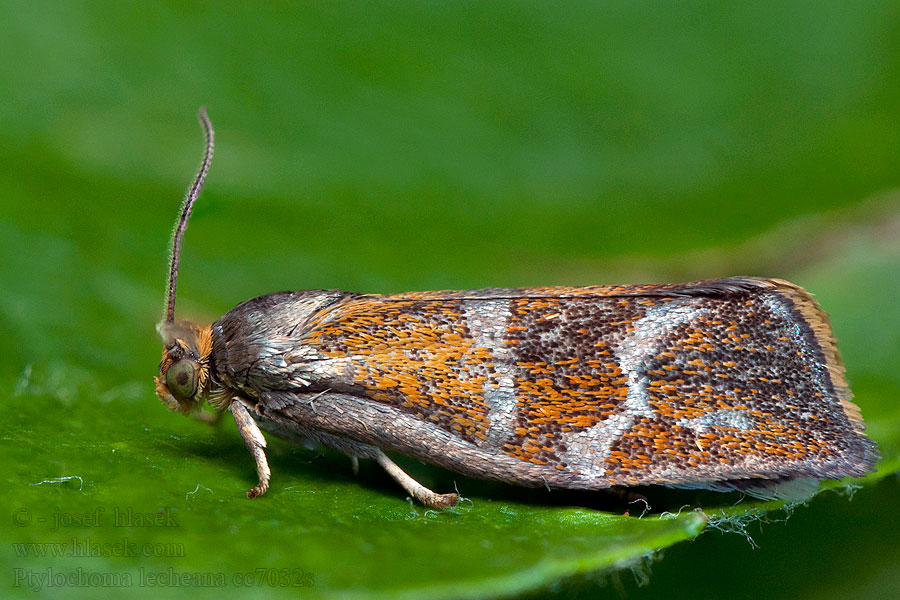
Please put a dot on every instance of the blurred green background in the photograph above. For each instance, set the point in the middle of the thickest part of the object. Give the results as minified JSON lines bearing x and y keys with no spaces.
{"x":388,"y":147}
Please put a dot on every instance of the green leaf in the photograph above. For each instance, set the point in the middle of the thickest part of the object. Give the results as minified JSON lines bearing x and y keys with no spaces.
{"x":404,"y":147}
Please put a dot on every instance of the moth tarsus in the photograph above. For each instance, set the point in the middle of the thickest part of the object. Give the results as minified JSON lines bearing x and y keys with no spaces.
{"x":413,"y":487}
{"x":725,"y":384}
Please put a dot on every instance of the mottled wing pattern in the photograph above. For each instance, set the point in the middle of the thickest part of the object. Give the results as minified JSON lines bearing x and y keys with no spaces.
{"x":725,"y":379}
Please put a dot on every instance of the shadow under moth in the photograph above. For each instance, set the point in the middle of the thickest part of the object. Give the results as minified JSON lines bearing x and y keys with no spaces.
{"x":725,"y":384}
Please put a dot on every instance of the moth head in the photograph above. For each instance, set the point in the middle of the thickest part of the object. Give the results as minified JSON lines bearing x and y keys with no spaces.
{"x":183,"y":379}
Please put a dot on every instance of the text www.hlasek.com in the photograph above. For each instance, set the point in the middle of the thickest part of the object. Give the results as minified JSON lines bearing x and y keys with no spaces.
{"x":263,"y":577}
{"x":85,"y":548}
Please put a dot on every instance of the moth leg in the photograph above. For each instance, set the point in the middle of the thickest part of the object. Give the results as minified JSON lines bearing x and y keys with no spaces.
{"x":256,"y":443}
{"x":413,"y":487}
{"x":213,"y":419}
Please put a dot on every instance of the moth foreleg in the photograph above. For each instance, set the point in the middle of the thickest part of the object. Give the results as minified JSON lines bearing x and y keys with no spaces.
{"x":413,"y":487}
{"x":256,"y":443}
{"x":211,"y":418}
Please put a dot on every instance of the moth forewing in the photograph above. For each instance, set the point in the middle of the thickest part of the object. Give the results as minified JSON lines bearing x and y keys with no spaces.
{"x":724,"y":384}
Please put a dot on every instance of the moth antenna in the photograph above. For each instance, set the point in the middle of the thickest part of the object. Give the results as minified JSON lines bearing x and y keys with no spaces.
{"x":186,"y":207}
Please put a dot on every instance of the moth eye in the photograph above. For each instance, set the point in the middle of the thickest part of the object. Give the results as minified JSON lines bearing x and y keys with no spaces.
{"x":181,"y":379}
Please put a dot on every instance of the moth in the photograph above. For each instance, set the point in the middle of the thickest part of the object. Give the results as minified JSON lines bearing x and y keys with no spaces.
{"x":726,"y":384}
